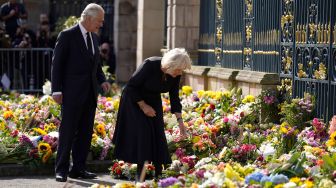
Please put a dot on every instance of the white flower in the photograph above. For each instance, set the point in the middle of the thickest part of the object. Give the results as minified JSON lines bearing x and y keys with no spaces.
{"x":53,"y":134}
{"x":223,"y":152}
{"x":47,"y":88}
{"x":203,"y":162}
{"x":289,"y":185}
{"x":266,"y":149}
{"x":100,"y":142}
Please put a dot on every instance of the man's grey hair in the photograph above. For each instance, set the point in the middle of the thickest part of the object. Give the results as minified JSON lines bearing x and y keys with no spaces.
{"x":176,"y":58}
{"x":91,"y":10}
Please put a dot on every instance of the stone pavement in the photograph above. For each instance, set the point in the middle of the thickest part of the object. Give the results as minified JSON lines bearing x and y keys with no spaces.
{"x":48,"y":181}
{"x":21,"y":176}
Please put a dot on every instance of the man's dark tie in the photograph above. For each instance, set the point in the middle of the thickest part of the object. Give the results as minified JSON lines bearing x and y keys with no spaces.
{"x":89,"y":44}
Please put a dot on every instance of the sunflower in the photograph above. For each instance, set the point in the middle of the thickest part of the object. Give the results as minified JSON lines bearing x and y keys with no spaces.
{"x":40,"y":131}
{"x":46,"y":156}
{"x":43,"y":147}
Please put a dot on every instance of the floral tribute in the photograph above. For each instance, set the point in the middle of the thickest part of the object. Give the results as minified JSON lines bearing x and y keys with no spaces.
{"x":29,"y":128}
{"x":268,"y":140}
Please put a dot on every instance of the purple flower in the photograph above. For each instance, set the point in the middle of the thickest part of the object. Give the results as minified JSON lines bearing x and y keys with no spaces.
{"x":179,"y":153}
{"x":200,"y":173}
{"x":25,"y":140}
{"x":167,"y":182}
{"x":269,"y":99}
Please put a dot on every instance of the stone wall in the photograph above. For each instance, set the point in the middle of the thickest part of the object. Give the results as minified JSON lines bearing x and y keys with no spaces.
{"x":126,"y":38}
{"x":183,"y":25}
{"x":150,"y":29}
{"x":214,"y":78}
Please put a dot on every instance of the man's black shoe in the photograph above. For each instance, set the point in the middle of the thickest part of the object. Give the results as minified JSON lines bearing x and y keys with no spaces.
{"x":82,"y":174}
{"x":61,"y":177}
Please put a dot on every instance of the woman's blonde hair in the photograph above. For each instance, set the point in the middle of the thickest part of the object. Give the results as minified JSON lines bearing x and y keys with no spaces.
{"x":176,"y":58}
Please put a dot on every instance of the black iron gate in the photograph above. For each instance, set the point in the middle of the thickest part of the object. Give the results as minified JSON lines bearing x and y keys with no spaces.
{"x":66,"y":8}
{"x":294,"y":38}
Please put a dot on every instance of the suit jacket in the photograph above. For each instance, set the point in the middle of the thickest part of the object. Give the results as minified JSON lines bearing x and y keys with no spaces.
{"x":74,"y":71}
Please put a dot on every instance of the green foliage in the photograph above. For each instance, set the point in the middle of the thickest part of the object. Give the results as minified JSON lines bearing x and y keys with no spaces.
{"x":267,"y":105}
{"x":298,"y":111}
{"x":293,"y":167}
{"x":329,"y":163}
{"x":65,"y":23}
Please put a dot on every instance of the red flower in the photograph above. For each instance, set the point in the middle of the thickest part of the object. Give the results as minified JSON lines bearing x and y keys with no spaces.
{"x":14,"y":133}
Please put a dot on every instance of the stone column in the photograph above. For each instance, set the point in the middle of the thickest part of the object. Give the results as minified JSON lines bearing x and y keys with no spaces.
{"x":183,"y":25}
{"x":125,"y":30}
{"x":150,"y":29}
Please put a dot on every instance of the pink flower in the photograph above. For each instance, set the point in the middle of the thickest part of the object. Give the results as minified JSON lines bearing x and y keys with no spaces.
{"x":332,"y":127}
{"x":225,"y":119}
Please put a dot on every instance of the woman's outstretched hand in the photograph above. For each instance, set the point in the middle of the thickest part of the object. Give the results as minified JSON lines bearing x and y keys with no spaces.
{"x":148,"y":110}
{"x":183,"y":131}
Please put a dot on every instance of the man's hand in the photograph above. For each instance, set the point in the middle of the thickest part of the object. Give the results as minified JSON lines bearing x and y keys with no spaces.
{"x":106,"y":86}
{"x":58,"y":98}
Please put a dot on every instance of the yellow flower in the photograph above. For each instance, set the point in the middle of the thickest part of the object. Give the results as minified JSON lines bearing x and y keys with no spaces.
{"x":200,"y":93}
{"x":8,"y":114}
{"x":248,"y":99}
{"x":43,"y":147}
{"x":295,"y":180}
{"x":101,"y":129}
{"x":2,"y":126}
{"x":227,"y":94}
{"x":46,"y":156}
{"x":229,"y":184}
{"x":279,"y":185}
{"x":309,"y":184}
{"x":187,"y":90}
{"x":231,"y":173}
{"x":94,"y":138}
{"x":218,"y":95}
{"x":332,"y":140}
{"x":116,"y":104}
{"x":40,"y":131}
{"x":196,"y":139}
{"x":108,"y":98}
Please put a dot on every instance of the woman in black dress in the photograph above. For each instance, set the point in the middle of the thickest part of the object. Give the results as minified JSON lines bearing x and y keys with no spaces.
{"x":139,"y":134}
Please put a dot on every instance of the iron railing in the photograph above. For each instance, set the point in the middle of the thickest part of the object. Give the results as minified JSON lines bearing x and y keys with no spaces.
{"x":26,"y":68}
{"x":294,"y":38}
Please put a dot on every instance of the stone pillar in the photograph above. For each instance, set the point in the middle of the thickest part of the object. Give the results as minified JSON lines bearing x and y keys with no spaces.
{"x":150,"y":29}
{"x":125,"y":30}
{"x":183,"y":25}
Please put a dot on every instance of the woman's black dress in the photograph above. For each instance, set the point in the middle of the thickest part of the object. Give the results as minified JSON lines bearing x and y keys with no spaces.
{"x":137,"y":137}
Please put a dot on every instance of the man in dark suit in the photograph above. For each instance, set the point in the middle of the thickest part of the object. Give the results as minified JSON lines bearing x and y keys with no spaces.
{"x":76,"y":74}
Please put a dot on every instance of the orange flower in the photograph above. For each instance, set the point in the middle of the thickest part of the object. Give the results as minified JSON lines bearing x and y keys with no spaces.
{"x":8,"y":114}
{"x":319,"y":162}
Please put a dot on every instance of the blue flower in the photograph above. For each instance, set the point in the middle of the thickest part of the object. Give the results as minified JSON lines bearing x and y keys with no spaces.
{"x":265,"y":179}
{"x":254,"y":178}
{"x":279,"y":178}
